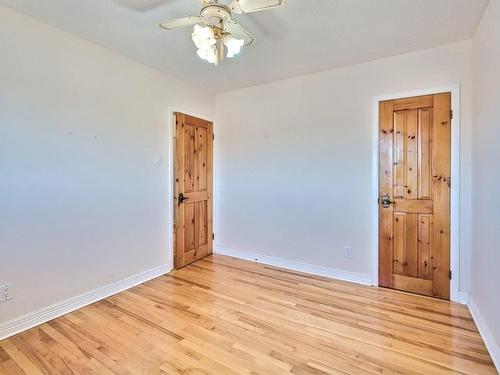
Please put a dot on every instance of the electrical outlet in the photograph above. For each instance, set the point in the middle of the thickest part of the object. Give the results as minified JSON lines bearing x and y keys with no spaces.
{"x":5,"y":292}
{"x":348,"y":252}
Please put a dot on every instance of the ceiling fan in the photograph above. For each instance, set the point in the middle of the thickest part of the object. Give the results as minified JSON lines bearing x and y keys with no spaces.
{"x":216,"y":34}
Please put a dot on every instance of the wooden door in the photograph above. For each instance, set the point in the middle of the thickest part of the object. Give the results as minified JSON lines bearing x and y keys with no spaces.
{"x":193,"y":224}
{"x":414,"y":194}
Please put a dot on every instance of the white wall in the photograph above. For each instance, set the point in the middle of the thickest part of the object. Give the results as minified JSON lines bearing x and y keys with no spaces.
{"x":485,"y":288}
{"x":294,"y":158}
{"x":81,"y":203}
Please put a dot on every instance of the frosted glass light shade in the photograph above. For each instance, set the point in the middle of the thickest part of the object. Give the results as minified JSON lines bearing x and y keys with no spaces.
{"x":209,"y":54}
{"x":203,"y":37}
{"x":233,"y":45}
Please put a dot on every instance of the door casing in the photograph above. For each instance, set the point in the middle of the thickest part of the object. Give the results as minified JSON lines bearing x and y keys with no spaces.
{"x":455,"y":294}
{"x":170,"y":174}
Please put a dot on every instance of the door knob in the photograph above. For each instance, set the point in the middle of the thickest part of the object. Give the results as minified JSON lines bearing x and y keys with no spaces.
{"x":181,"y":199}
{"x":386,"y":201}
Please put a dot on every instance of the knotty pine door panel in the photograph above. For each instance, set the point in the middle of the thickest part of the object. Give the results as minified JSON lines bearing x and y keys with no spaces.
{"x":414,"y":200}
{"x":193,"y":189}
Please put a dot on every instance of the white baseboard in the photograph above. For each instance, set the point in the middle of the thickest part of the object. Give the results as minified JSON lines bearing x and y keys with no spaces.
{"x":297,"y":266}
{"x":45,"y":314}
{"x":486,"y":334}
{"x":463,"y":298}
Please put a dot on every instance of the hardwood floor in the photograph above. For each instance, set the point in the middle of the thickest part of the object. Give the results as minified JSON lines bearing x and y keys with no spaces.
{"x":227,"y":316}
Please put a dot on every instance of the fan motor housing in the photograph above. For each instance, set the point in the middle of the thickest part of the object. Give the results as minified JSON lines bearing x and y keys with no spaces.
{"x":215,"y":15}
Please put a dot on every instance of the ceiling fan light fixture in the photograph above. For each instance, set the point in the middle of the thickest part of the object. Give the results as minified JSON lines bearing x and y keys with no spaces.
{"x":214,"y":44}
{"x":216,"y":34}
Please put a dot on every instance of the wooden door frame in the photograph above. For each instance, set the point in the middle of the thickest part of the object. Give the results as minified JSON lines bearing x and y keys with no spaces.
{"x":171,"y":177}
{"x":455,"y":294}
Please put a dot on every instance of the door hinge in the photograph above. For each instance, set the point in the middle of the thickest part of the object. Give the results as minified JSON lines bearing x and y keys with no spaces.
{"x":449,"y":275}
{"x":213,"y":137}
{"x":451,"y":114}
{"x":213,"y":236}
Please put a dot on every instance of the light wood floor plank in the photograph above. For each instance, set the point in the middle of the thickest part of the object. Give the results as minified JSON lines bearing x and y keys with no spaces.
{"x":225,"y":316}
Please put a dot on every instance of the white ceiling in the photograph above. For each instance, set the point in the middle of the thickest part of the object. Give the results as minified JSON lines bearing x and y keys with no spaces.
{"x":304,"y":36}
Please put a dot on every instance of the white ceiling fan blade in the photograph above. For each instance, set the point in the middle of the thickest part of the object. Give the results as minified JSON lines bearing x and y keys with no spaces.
{"x":248,"y":6}
{"x":239,"y":32}
{"x":180,"y":22}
